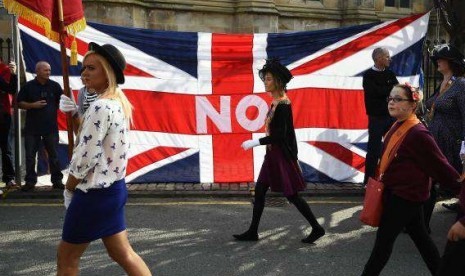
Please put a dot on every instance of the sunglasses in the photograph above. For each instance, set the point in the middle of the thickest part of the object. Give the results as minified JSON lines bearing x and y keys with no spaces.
{"x":397,"y":99}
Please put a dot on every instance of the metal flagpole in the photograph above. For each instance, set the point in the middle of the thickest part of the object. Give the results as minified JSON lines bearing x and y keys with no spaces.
{"x":17,"y":114}
{"x":64,"y":65}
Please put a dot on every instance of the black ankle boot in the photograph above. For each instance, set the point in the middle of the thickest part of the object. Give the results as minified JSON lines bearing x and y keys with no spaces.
{"x":315,"y":235}
{"x":246,"y":236}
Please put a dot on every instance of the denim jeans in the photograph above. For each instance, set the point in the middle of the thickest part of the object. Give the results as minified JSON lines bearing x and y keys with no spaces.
{"x":32,"y":146}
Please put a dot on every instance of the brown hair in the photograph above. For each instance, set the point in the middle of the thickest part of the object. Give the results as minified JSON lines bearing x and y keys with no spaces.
{"x":414,"y":94}
{"x":457,"y":69}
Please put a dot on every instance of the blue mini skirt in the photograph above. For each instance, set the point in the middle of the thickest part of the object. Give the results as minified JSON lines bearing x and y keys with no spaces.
{"x":96,"y":214}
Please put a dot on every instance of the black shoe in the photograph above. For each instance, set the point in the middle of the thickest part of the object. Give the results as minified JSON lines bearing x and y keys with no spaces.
{"x":58,"y":186}
{"x":246,"y":236}
{"x":28,"y":187}
{"x":454,"y":207}
{"x":314,"y":236}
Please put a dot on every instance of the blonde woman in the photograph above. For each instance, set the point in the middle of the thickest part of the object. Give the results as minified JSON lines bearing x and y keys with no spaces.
{"x":95,"y":192}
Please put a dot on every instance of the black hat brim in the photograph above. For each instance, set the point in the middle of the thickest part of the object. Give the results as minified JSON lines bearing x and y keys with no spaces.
{"x":103,"y":52}
{"x":435,"y":58}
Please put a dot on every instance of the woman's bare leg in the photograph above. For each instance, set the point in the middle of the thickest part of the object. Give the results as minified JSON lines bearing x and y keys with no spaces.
{"x":68,"y":256}
{"x":121,"y":251}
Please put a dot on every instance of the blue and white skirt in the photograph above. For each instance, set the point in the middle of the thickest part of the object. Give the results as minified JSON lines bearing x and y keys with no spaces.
{"x":96,"y":214}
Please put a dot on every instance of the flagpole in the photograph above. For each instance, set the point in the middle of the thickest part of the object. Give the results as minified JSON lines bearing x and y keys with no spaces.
{"x":64,"y":65}
{"x":16,"y":113}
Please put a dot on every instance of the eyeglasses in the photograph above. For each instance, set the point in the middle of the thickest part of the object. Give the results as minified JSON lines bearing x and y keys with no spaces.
{"x":397,"y":100}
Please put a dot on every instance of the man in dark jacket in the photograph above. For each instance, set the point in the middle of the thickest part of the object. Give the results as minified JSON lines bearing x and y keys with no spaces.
{"x":377,"y":84}
{"x":40,"y":98}
{"x":8,"y":87}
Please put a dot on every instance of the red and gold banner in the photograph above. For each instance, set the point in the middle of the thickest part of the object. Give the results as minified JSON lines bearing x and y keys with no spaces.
{"x":45,"y":14}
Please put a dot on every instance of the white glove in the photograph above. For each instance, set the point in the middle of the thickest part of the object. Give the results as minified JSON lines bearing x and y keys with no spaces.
{"x":67,"y":196}
{"x":68,"y":105}
{"x":462,"y":152}
{"x":12,"y":66}
{"x":250,"y":144}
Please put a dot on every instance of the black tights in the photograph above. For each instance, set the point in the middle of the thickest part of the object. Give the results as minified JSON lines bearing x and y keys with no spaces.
{"x":428,"y":207}
{"x":399,"y":213}
{"x":259,"y":205}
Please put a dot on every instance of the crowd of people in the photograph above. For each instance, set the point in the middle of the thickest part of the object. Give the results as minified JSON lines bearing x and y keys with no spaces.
{"x":414,"y":158}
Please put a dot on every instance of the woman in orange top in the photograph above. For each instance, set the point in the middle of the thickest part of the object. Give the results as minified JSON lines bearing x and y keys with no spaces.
{"x":406,"y":181}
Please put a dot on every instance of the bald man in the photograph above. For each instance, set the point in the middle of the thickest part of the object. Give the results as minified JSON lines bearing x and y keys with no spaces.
{"x":40,"y":98}
{"x":377,"y":84}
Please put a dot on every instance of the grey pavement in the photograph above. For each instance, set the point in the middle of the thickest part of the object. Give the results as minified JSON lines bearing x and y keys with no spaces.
{"x":197,"y":190}
{"x":192,"y":237}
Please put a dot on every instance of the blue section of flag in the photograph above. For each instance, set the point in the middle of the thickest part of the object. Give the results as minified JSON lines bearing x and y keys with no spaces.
{"x":176,"y":48}
{"x":409,"y":61}
{"x":313,"y":175}
{"x":43,"y":52}
{"x":290,"y":47}
{"x":185,"y":170}
{"x":362,"y":146}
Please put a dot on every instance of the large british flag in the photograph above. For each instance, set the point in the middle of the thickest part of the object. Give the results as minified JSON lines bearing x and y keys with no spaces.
{"x":197,"y":96}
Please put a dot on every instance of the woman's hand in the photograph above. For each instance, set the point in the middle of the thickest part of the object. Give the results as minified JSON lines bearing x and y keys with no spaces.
{"x":12,"y":66}
{"x":456,"y":232}
{"x":67,"y":196}
{"x":68,"y":105}
{"x":250,"y":144}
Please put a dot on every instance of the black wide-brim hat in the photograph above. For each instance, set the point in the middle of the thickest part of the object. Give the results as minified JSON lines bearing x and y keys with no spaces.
{"x":276,"y":69}
{"x":448,"y":52}
{"x":114,"y":57}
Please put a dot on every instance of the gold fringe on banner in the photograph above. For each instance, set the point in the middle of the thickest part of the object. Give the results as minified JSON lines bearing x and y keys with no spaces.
{"x":36,"y":18}
{"x":73,"y":59}
{"x":30,"y":15}
{"x":16,"y":8}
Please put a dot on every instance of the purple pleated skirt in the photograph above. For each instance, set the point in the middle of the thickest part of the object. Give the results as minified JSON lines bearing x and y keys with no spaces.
{"x":280,"y":173}
{"x":96,"y":214}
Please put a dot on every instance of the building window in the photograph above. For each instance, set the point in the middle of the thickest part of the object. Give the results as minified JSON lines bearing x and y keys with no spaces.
{"x":390,"y":3}
{"x":397,"y":3}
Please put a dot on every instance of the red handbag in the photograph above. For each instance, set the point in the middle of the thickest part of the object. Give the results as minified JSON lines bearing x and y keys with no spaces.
{"x":373,"y":203}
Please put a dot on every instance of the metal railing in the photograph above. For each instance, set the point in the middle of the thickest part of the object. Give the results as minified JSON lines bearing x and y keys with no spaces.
{"x":431,"y":76}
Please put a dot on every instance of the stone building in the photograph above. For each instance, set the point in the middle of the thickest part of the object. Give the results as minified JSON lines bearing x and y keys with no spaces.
{"x":248,"y":16}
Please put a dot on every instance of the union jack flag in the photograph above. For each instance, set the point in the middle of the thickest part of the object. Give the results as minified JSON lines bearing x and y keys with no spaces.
{"x":197,"y":96}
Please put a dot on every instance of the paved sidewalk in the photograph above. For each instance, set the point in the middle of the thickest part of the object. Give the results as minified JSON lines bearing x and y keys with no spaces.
{"x":196,"y":190}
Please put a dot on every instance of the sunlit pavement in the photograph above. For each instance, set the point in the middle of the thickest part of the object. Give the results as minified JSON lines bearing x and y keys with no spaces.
{"x":192,"y":236}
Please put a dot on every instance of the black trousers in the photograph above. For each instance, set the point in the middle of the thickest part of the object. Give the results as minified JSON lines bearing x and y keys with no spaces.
{"x":428,"y":207}
{"x":6,"y":148}
{"x":453,"y":260}
{"x":377,"y":127}
{"x":399,"y":213}
{"x":32,"y":146}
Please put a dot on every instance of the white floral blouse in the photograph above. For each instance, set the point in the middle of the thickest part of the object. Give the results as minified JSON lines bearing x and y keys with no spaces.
{"x":100,"y":155}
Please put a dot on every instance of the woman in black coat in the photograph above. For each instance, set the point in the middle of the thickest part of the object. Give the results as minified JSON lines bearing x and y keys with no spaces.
{"x":280,"y":170}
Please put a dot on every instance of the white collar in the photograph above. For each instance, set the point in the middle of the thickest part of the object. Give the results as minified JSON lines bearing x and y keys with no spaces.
{"x":377,"y":69}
